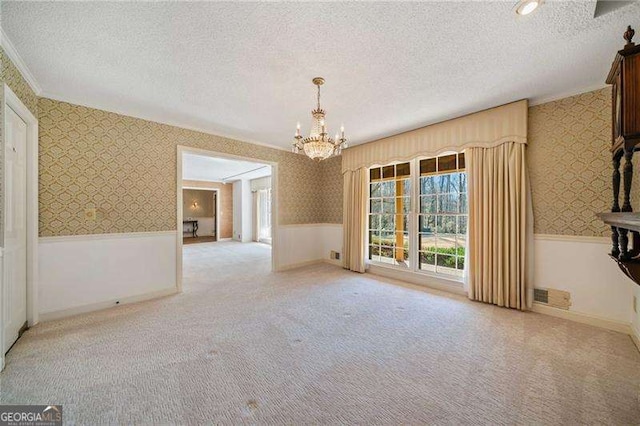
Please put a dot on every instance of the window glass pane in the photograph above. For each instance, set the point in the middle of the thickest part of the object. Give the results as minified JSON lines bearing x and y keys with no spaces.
{"x":449,"y":182}
{"x":374,"y":221}
{"x":447,"y":163}
{"x":428,"y":185}
{"x":446,"y":261}
{"x":388,"y":172}
{"x":427,"y":223}
{"x":446,"y":224}
{"x":461,"y":161}
{"x":427,"y":242}
{"x":390,"y":195}
{"x":402,"y":170}
{"x":461,"y":263}
{"x":406,"y":205}
{"x":389,"y":189}
{"x":402,"y":240}
{"x":463,"y":182}
{"x":407,"y":187}
{"x":387,"y":222}
{"x":387,"y":238}
{"x":446,"y":243}
{"x":448,"y":203}
{"x":388,"y":205}
{"x":401,"y":223}
{"x":427,"y":261}
{"x":461,"y":244}
{"x":386,"y":254}
{"x":374,"y":190}
{"x":375,"y":206}
{"x":463,"y":204}
{"x":462,"y":225}
{"x":427,"y":166}
{"x":428,"y":204}
{"x":374,"y":237}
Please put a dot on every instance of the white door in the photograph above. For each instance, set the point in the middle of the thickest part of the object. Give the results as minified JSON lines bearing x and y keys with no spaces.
{"x":15,"y":228}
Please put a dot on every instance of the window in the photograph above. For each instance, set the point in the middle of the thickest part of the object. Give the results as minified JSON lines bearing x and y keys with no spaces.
{"x":442,"y":218}
{"x":432,"y":236}
{"x":389,"y":208}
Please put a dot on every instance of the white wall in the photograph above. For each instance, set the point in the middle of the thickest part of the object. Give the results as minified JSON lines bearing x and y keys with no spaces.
{"x":580,"y":265}
{"x":303,"y":244}
{"x":242,"y":210}
{"x":89,"y":272}
{"x":237,"y":210}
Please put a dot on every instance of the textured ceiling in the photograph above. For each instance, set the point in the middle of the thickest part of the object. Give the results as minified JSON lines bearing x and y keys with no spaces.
{"x":244,"y":69}
{"x":200,"y":167}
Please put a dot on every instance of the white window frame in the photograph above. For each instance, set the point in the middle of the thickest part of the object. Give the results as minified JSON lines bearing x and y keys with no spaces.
{"x":412,"y":226}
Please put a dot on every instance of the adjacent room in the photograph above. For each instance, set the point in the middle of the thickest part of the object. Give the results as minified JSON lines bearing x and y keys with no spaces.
{"x":333,"y":213}
{"x":226,"y":210}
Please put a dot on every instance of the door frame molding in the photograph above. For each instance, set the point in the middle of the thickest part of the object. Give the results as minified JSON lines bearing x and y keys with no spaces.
{"x":12,"y":101}
{"x":182,"y":149}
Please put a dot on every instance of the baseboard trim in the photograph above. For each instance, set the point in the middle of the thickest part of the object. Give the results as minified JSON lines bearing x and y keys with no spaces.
{"x":299,"y":265}
{"x":50,"y":316}
{"x":619,"y":326}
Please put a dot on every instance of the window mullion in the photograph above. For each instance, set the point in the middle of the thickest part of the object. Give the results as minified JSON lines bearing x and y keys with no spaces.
{"x":415,"y":207}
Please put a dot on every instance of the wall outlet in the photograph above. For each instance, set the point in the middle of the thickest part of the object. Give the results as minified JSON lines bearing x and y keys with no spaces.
{"x":90,"y":214}
{"x":334,"y":255}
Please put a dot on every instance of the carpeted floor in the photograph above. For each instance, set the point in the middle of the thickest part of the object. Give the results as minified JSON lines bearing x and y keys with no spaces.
{"x":320,"y":345}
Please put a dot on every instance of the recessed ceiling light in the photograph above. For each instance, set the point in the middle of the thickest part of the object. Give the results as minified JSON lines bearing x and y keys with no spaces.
{"x":525,"y":7}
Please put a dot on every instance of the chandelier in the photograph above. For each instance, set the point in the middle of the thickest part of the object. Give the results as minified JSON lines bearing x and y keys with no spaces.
{"x":318,"y":145}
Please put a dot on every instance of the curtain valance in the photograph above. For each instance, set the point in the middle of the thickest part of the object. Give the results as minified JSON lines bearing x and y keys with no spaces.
{"x":488,"y":128}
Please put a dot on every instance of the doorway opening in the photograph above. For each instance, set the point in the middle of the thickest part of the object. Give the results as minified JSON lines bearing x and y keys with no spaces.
{"x":226,"y":210}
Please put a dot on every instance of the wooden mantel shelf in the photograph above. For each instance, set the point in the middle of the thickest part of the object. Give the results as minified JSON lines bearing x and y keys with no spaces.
{"x":630,"y":221}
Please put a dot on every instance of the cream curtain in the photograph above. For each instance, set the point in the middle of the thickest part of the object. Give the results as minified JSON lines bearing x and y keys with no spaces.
{"x":354,"y":217}
{"x":499,"y":227}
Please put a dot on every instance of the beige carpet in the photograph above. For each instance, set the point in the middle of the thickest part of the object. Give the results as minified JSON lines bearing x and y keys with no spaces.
{"x":320,"y":345}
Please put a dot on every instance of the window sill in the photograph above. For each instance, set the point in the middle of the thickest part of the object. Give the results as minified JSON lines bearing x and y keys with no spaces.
{"x":452,"y":285}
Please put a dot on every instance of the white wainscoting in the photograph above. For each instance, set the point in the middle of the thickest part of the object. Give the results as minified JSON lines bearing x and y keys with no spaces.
{"x":580,"y":265}
{"x":300,"y":245}
{"x":90,"y":272}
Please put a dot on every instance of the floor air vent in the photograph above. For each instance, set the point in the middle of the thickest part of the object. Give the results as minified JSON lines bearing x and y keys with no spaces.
{"x":551,"y":297}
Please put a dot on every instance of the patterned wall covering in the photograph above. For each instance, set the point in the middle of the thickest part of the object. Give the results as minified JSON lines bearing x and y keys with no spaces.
{"x":10,"y":75}
{"x":126,"y":168}
{"x":331,"y":178}
{"x":569,"y":164}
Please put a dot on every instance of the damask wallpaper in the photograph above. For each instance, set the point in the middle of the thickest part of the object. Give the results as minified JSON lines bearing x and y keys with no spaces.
{"x":125,"y":168}
{"x":332,"y":187}
{"x":569,"y":164}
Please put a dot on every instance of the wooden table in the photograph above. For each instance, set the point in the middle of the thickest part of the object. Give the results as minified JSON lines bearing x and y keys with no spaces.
{"x":194,"y":227}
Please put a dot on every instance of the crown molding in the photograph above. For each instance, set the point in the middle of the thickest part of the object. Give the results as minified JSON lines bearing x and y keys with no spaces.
{"x":15,"y":57}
